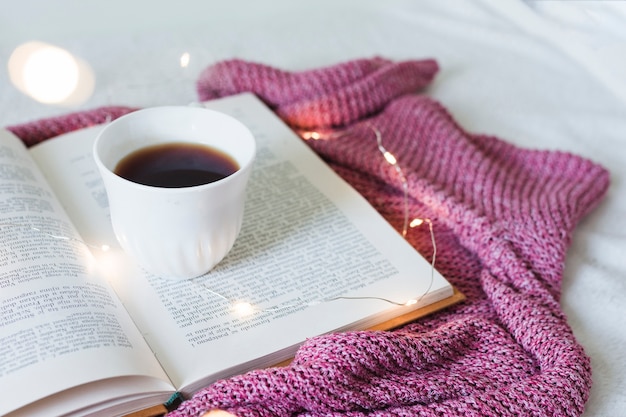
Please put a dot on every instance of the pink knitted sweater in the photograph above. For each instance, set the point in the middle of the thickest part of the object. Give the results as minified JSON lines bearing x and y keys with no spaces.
{"x":503,"y":219}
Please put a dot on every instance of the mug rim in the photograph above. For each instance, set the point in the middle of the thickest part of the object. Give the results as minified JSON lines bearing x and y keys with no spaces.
{"x":244,"y":163}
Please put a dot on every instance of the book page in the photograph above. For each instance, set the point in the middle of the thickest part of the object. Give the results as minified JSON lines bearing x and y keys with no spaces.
{"x":312,"y":257}
{"x":60,"y":325}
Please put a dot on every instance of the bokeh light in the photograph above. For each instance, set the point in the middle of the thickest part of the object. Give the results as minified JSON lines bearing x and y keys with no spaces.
{"x":50,"y":74}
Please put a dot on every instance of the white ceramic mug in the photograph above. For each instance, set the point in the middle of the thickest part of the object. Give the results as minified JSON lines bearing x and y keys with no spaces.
{"x":176,"y":233}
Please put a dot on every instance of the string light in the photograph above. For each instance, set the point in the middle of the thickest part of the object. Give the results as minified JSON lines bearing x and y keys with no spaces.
{"x":391,"y":159}
{"x":311,"y":135}
{"x":416,"y":222}
{"x":244,"y":309}
{"x":184,"y":60}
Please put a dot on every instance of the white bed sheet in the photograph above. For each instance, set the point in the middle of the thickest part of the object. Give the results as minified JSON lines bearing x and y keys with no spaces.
{"x":541,"y":74}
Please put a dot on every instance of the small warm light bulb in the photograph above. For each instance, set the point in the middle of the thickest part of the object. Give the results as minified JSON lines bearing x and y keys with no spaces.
{"x":105,"y":248}
{"x":243,"y":308}
{"x":184,"y":60}
{"x":389,"y":157}
{"x":311,"y":135}
{"x":416,"y":222}
{"x":410,"y":302}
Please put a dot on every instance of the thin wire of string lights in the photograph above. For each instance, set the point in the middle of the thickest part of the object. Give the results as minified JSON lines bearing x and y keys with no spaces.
{"x":244,"y":308}
{"x":389,"y":157}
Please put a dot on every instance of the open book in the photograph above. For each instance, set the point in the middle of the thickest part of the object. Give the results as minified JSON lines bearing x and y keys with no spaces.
{"x":84,"y":331}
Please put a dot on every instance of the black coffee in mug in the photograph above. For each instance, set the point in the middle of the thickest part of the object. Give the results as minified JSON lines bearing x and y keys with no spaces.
{"x":176,"y":165}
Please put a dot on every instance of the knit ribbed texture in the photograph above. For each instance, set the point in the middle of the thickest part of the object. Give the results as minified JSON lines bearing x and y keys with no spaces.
{"x":321,"y":97}
{"x":34,"y":132}
{"x":503,"y":219}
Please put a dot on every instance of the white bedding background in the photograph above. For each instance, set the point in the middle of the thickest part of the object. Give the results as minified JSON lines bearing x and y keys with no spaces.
{"x":540,"y":74}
